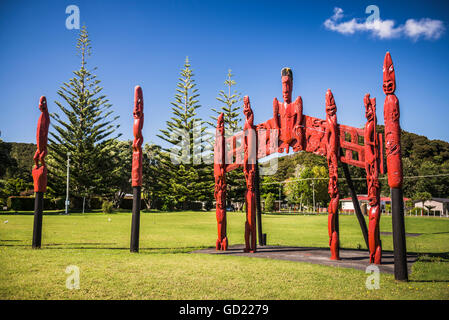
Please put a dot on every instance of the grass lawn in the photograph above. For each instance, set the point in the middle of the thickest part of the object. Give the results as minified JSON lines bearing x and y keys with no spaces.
{"x":164,"y":269}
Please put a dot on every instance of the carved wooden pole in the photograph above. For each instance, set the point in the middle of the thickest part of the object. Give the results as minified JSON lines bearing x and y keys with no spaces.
{"x":394,"y":168}
{"x":136,"y":174}
{"x":249,"y":169}
{"x":332,"y":153}
{"x":40,"y":170}
{"x":372,"y":157}
{"x":220,"y":184}
{"x":262,"y":236}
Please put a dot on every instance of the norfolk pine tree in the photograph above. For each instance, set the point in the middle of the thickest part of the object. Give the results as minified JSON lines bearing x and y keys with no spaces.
{"x":190,"y":179}
{"x":86,"y":132}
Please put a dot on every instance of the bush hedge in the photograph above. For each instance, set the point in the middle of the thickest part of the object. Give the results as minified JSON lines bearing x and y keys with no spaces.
{"x":22,"y":203}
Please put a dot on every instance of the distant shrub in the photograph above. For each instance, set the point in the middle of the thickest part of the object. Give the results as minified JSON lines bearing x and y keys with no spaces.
{"x":18,"y":203}
{"x":107,"y":206}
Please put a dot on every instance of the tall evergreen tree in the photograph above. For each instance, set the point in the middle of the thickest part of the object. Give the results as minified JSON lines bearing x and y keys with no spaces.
{"x":230,"y":106}
{"x":190,"y":179}
{"x":86,"y":131}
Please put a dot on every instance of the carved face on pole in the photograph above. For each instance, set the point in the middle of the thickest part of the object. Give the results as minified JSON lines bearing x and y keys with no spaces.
{"x":389,"y":83}
{"x":331,"y":108}
{"x":370,"y":107}
{"x":220,"y":123}
{"x":247,"y":111}
{"x":138,"y":103}
{"x":42,"y":104}
{"x":287,"y":84}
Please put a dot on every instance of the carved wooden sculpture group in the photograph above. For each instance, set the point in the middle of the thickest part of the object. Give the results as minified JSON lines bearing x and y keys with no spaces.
{"x":290,"y":128}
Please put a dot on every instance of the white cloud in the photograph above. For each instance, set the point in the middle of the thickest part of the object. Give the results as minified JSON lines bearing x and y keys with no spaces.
{"x":428,"y":28}
{"x":385,"y":29}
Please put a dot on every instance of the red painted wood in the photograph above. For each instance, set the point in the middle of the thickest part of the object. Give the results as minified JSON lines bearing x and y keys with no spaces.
{"x":372,"y":152}
{"x":332,"y":152}
{"x":289,"y":127}
{"x":249,"y":169}
{"x":39,"y":171}
{"x":392,"y":126}
{"x":220,"y":184}
{"x":136,"y":174}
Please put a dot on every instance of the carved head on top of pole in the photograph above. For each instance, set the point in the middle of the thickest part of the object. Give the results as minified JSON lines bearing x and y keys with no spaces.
{"x":247,"y":111}
{"x":220,"y":124}
{"x":389,"y":82}
{"x":138,"y":103}
{"x":370,"y":107}
{"x":331,"y":107}
{"x":287,"y":84}
{"x":43,"y":104}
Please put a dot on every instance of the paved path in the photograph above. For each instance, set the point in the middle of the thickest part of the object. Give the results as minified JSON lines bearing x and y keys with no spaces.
{"x":350,"y":258}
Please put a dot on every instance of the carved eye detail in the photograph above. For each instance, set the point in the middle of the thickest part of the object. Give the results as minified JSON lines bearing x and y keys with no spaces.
{"x":391,"y":68}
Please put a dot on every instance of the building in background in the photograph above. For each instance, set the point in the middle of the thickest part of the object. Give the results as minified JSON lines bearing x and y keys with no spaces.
{"x":436,"y":206}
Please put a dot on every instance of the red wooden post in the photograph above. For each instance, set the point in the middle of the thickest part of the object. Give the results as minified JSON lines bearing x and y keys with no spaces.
{"x":40,"y":170}
{"x":249,"y":169}
{"x":372,"y":157}
{"x":332,"y":154}
{"x":394,"y":168}
{"x":136,"y":173}
{"x":220,"y":184}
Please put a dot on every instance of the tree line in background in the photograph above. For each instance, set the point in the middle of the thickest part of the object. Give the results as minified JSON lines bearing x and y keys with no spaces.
{"x":100,"y":163}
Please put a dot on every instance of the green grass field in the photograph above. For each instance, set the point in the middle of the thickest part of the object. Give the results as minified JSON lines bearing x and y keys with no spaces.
{"x":164,"y":269}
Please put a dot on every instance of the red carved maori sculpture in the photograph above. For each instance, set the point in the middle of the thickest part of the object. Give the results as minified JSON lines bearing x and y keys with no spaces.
{"x":249,"y":169}
{"x":136,"y":174}
{"x":332,"y":143}
{"x":290,"y":128}
{"x":220,"y":184}
{"x":288,"y":116}
{"x":394,"y":168}
{"x":40,"y":168}
{"x":372,"y":177}
{"x":392,"y":127}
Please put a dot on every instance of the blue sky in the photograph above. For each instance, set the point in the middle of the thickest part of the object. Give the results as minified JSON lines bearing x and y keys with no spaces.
{"x":146,"y":42}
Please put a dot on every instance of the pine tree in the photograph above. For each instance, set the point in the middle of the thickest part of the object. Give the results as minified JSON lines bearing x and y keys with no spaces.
{"x":86,"y":132}
{"x":232,"y":109}
{"x":154,"y":178}
{"x":190,"y":179}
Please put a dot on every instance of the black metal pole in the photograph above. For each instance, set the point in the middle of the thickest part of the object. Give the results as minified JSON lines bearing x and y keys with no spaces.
{"x":262,"y":237}
{"x":37,"y":225}
{"x":399,"y":243}
{"x":135,"y":223}
{"x":355,"y":202}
